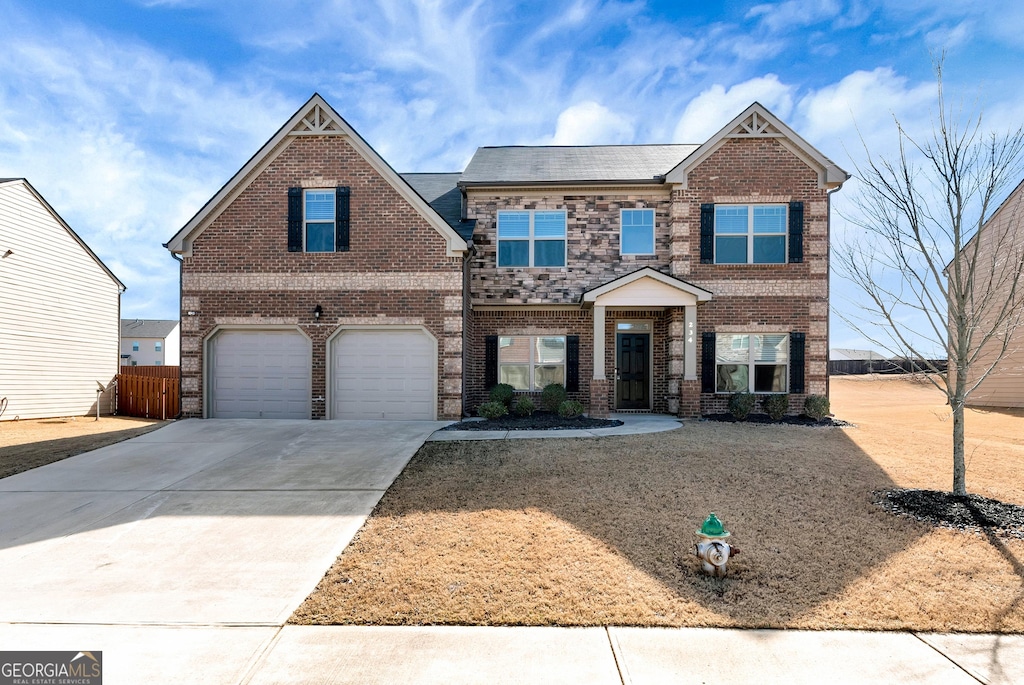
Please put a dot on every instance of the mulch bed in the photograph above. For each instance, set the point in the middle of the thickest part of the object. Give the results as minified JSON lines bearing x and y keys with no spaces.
{"x":801,"y":420}
{"x":960,"y":512}
{"x":540,"y":420}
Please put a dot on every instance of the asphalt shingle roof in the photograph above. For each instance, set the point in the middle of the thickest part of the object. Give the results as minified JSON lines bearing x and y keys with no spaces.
{"x":147,"y":328}
{"x":442,"y":193}
{"x":552,"y":164}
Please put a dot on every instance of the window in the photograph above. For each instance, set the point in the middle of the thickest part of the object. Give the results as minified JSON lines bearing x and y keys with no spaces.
{"x":135,"y":345}
{"x":750,"y":234}
{"x":751,"y":363}
{"x":157,"y":363}
{"x":318,"y":213}
{"x":531,"y":238}
{"x":158,"y":345}
{"x":637,"y":231}
{"x":531,"y":362}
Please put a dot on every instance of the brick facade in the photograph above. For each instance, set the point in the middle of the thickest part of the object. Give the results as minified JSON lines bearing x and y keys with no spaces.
{"x":781,"y":298}
{"x":396,"y":272}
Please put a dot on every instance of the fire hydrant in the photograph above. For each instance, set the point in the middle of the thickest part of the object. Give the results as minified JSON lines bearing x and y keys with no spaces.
{"x":712,"y":551}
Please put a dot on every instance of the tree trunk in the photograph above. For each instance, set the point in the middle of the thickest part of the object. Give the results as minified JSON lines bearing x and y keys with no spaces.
{"x":959,"y":468}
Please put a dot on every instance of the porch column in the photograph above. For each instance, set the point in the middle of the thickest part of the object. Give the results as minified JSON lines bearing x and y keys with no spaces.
{"x":599,"y":343}
{"x":690,"y":348}
{"x":599,"y":386}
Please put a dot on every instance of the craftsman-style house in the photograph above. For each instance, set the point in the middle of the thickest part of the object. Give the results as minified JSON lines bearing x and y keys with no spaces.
{"x":320,"y":283}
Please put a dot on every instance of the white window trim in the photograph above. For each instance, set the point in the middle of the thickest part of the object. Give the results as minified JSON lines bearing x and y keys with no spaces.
{"x":531,"y":239}
{"x":750,"y":233}
{"x":751,"y":363}
{"x":533,"y":363}
{"x":654,"y":226}
{"x":306,"y":222}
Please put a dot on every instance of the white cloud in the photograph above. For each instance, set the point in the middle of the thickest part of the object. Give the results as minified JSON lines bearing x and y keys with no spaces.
{"x":711,"y":110}
{"x":589,"y":123}
{"x":785,"y":16}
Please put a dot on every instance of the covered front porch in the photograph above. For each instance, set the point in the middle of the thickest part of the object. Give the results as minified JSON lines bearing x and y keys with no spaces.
{"x":645,"y":344}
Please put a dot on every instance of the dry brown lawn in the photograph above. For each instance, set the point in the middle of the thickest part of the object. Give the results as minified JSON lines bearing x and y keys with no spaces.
{"x":30,"y":443}
{"x":599,"y":531}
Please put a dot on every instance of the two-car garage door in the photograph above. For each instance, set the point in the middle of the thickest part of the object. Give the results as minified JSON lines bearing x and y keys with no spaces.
{"x":375,"y":374}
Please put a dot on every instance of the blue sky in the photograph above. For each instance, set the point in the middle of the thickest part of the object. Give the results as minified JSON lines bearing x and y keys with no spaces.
{"x":128,"y":115}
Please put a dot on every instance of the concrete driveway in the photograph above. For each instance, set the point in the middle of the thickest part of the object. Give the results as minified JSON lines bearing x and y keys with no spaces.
{"x":200,"y":523}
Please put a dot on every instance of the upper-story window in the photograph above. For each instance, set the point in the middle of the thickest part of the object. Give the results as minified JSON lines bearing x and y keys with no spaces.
{"x":532,"y":237}
{"x":637,"y":232}
{"x":750,"y":234}
{"x":135,"y":345}
{"x":319,"y":220}
{"x":158,"y":345}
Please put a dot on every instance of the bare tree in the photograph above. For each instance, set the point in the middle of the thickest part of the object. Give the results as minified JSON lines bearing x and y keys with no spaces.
{"x":936,"y":273}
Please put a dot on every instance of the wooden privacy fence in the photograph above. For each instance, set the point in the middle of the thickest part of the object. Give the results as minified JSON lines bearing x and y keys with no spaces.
{"x":149,"y":396}
{"x":843,"y":367}
{"x":152,"y":371}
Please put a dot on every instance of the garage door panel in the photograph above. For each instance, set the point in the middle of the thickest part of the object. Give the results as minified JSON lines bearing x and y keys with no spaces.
{"x":383,"y":374}
{"x":260,"y":374}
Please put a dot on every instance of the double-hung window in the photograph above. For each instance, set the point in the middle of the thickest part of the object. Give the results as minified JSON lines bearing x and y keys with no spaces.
{"x":531,"y":237}
{"x":531,"y":362}
{"x":751,"y":362}
{"x":637,"y":232}
{"x":750,"y":234}
{"x":135,"y":345}
{"x":318,"y":220}
{"x":158,"y":346}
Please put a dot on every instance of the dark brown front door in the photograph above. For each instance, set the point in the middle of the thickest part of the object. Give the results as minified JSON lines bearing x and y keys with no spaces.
{"x":631,"y":382}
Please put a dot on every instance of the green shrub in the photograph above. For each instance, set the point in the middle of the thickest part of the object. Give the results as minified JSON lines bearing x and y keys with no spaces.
{"x":817,"y":407}
{"x":570,"y":409}
{"x":524,"y":406}
{"x":504,"y":393}
{"x":741,"y":404}
{"x":775,"y":405}
{"x":492,"y":410}
{"x":552,"y":396}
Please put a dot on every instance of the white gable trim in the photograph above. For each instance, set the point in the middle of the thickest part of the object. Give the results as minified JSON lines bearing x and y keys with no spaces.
{"x":758,"y":122}
{"x":646,"y":287}
{"x":315,"y":118}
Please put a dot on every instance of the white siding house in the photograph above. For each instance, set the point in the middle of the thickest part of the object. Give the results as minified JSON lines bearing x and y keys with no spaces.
{"x":150,"y":342}
{"x":59,"y":312}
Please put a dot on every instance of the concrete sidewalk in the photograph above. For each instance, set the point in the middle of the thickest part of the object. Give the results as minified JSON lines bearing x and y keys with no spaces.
{"x":632,"y":424}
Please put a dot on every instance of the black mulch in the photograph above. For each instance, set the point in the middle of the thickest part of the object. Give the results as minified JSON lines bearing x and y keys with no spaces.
{"x":802,"y":420}
{"x":540,"y":420}
{"x":961,"y":512}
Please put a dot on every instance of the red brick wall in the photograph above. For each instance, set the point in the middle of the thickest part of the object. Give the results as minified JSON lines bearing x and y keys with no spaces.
{"x":397,"y":271}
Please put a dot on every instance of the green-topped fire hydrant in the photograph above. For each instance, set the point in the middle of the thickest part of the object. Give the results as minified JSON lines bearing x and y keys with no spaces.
{"x":713,"y":552}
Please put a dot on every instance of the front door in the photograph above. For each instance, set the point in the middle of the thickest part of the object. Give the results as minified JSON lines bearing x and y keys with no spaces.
{"x":632,"y":386}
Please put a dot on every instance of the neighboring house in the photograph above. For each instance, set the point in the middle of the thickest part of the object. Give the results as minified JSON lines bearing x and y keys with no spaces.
{"x":149,"y":342}
{"x":59,"y":312}
{"x":1002,"y":239}
{"x":320,"y":283}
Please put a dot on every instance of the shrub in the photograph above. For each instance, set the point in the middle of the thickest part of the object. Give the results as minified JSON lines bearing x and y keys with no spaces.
{"x":552,"y":396}
{"x":776,"y":405}
{"x":741,"y":404}
{"x":502,"y":392}
{"x":524,"y":406}
{"x":570,"y":409}
{"x":492,"y":410}
{"x":817,"y":407}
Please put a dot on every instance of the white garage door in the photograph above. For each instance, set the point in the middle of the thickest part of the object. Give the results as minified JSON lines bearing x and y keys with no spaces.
{"x":260,"y":375}
{"x":386,"y":374}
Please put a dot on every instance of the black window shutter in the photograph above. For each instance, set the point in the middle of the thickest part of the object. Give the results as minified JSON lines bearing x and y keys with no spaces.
{"x":707,"y":234}
{"x":796,"y":360}
{"x":796,"y":232}
{"x":572,"y":363}
{"x":341,"y":220}
{"x":490,"y":361}
{"x":707,"y":362}
{"x":295,"y":219}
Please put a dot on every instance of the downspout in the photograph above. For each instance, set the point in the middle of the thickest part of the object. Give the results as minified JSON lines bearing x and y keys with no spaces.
{"x":181,"y":293}
{"x":828,"y":284}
